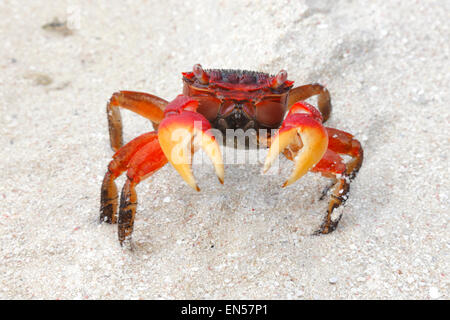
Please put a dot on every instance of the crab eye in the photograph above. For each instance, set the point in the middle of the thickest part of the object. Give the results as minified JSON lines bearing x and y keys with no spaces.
{"x":270,"y":112}
{"x":200,"y":74}
{"x":208,"y":106}
{"x":279,"y":80}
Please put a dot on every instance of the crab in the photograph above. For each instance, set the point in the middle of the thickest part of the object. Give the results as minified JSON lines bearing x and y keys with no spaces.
{"x":227,"y":99}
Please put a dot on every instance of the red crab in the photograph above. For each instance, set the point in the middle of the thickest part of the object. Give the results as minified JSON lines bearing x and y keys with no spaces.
{"x":226,"y":99}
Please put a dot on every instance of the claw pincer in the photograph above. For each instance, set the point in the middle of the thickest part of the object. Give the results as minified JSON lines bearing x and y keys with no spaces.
{"x":303,"y":134}
{"x":182,"y":132}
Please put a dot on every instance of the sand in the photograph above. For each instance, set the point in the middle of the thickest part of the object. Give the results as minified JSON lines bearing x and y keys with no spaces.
{"x":386,"y":64}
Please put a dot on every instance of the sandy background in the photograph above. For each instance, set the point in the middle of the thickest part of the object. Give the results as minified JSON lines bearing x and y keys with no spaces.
{"x":386,"y":64}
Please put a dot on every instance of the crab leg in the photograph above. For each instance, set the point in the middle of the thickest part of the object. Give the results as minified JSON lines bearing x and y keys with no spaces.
{"x":144,"y":104}
{"x":303,"y":134}
{"x":344,"y":143}
{"x":121,"y":159}
{"x":142,"y":165}
{"x":330,"y":163}
{"x":182,"y":132}
{"x":332,"y":166}
{"x":309,"y":90}
{"x":141,"y":157}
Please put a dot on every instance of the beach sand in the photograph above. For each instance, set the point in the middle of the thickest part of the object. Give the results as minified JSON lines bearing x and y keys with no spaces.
{"x":386,"y":65}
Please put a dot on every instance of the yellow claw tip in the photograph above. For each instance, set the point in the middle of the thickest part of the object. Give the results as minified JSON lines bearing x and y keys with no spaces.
{"x":313,"y":144}
{"x":268,"y":163}
{"x":179,"y":142}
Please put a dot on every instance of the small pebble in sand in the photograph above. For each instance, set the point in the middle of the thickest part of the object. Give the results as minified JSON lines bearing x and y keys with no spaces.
{"x":361,"y":279}
{"x":166,"y":199}
{"x":333,"y":280}
{"x":299,"y":293}
{"x":39,"y":79}
{"x":59,"y":27}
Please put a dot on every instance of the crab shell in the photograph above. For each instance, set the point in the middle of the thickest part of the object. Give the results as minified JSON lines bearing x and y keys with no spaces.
{"x":239,"y":99}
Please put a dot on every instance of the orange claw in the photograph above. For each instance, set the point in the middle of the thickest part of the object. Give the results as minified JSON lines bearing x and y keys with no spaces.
{"x":182,"y":132}
{"x":299,"y":130}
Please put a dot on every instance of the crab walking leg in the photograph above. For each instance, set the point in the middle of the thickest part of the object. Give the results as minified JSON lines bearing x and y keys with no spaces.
{"x":144,"y":104}
{"x":309,"y":90}
{"x":108,"y":195}
{"x":302,"y":133}
{"x":182,"y":132}
{"x":344,"y":143}
{"x":332,"y":166}
{"x":142,"y":165}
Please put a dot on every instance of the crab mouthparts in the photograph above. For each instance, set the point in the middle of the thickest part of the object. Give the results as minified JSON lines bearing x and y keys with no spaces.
{"x":238,"y":118}
{"x":237,"y":113}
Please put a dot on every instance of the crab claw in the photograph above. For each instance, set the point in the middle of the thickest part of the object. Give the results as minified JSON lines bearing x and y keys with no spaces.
{"x":181,"y":133}
{"x":306,"y":136}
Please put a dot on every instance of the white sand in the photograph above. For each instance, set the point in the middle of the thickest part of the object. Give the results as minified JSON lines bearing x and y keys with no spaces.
{"x":386,"y":64}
